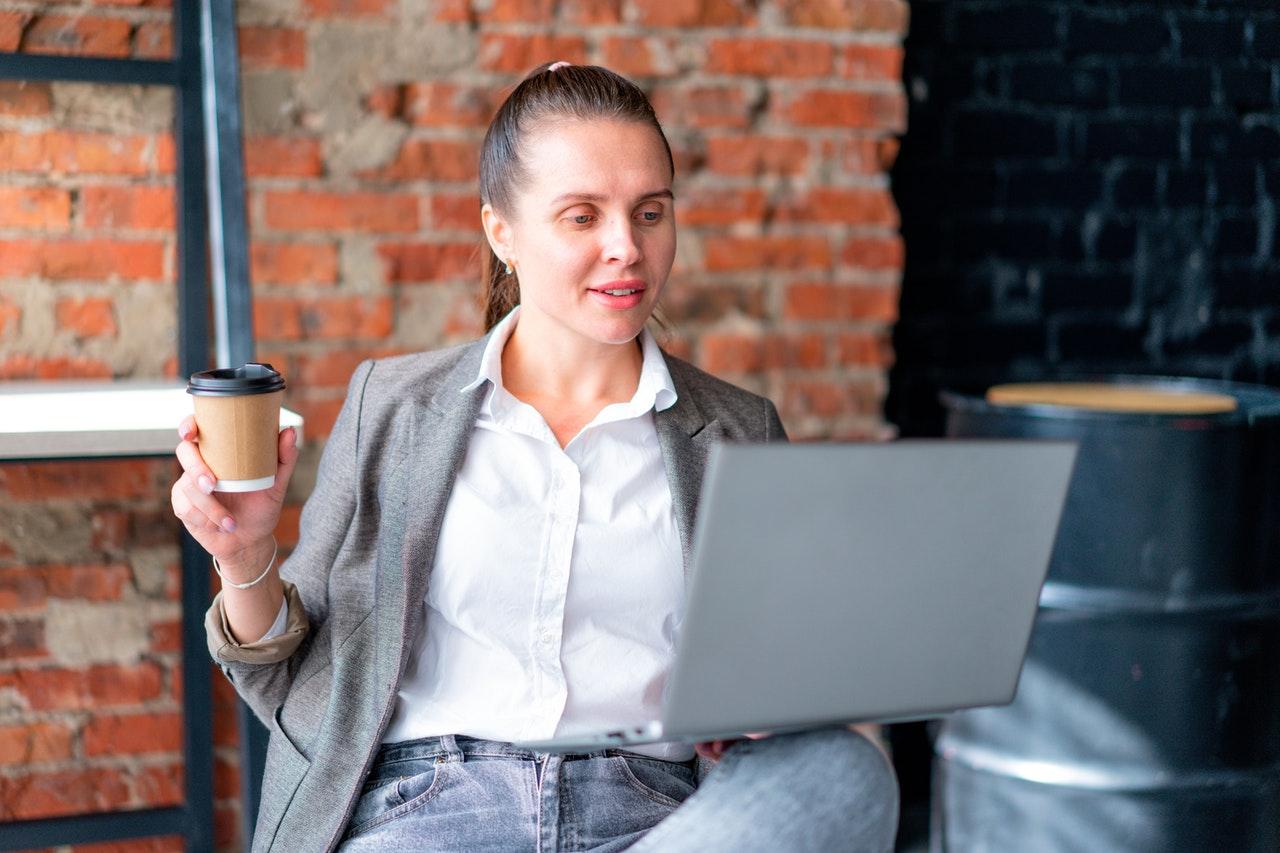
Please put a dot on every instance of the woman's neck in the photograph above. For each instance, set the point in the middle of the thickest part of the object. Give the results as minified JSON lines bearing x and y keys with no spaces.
{"x":568,"y":368}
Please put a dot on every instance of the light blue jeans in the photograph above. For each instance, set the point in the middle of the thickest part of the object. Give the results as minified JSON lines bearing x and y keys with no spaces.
{"x":825,"y":790}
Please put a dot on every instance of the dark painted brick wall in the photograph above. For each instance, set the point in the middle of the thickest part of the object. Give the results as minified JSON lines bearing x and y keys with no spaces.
{"x":1087,"y":187}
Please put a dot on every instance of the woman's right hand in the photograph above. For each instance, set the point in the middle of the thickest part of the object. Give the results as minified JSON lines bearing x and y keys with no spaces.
{"x":232,"y":526}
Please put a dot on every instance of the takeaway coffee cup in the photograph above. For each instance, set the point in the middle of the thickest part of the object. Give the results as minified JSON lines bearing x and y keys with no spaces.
{"x":238,"y":416}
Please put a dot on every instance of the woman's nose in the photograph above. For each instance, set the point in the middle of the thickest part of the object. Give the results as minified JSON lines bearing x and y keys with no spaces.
{"x":620,"y":243}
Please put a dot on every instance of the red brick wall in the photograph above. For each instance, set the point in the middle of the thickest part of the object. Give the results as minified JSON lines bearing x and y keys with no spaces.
{"x":90,"y":656}
{"x":363,"y":119}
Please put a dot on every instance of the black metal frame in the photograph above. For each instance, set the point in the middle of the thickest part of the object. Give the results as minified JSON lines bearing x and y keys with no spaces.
{"x":204,"y":75}
{"x":228,"y":233}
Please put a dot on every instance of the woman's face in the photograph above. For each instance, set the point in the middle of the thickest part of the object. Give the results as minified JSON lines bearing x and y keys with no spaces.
{"x":596,"y":215}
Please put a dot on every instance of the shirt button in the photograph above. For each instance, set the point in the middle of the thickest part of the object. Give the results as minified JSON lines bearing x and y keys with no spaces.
{"x":548,"y":638}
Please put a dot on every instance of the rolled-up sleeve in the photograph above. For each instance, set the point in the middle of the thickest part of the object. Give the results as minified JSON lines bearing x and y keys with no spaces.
{"x":270,"y":649}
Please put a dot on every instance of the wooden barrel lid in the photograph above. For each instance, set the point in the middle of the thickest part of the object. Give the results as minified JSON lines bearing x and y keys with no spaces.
{"x":1107,"y":397}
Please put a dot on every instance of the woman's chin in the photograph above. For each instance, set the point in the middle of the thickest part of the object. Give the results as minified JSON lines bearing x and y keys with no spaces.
{"x":618,"y":330}
{"x":595,"y":323}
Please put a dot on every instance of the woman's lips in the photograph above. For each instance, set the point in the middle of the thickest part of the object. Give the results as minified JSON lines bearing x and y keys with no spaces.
{"x":629,"y":294}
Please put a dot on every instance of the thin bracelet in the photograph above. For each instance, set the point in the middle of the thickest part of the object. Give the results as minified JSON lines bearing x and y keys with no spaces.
{"x":270,"y":563}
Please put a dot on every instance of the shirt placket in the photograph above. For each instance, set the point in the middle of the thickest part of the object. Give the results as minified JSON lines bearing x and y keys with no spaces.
{"x":563,"y":508}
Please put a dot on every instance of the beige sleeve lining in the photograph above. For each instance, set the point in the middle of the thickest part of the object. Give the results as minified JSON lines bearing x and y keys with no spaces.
{"x":223,"y":648}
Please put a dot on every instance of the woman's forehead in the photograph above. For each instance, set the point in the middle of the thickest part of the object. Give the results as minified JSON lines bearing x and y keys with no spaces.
{"x":600,"y":157}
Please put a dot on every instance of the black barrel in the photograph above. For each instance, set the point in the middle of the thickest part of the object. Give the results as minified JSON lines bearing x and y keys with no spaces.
{"x":1147,"y":717}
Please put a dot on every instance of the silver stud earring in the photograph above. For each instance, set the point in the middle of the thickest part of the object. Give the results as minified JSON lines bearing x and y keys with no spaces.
{"x":509,"y":269}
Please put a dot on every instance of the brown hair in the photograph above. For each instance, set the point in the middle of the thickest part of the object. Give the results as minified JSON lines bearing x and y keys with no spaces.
{"x":570,"y":91}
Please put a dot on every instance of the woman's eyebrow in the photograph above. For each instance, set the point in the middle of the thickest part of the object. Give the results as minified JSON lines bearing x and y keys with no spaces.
{"x":576,"y":196}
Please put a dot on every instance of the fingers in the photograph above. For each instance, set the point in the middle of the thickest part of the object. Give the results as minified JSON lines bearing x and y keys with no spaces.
{"x":196,"y":489}
{"x":712,"y":749}
{"x":288,"y":451}
{"x":715,"y":749}
{"x":206,"y":505}
{"x":193,"y":465}
{"x":191,"y":497}
{"x":196,"y":521}
{"x":288,"y":455}
{"x":707,"y":751}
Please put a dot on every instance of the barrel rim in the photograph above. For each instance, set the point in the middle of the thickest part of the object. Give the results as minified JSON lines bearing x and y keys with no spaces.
{"x":1081,"y":601}
{"x":1092,"y":775}
{"x":1254,"y":403}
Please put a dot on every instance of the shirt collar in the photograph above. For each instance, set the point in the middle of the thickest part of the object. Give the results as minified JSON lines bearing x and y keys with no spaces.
{"x":655,"y":390}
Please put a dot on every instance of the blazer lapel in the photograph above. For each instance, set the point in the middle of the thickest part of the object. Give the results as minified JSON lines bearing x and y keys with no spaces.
{"x":685,"y":436}
{"x":440,"y":430}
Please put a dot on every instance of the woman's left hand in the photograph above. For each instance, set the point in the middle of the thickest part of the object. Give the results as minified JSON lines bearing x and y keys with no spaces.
{"x":712,"y":750}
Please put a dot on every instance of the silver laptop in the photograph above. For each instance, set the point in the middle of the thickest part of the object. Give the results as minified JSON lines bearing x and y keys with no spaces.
{"x":839,"y":583}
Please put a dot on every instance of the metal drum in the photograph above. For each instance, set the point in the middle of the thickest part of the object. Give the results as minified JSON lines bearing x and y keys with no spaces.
{"x":1147,"y":717}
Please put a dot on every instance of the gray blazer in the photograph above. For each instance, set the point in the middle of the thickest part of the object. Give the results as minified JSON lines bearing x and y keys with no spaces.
{"x":327,"y":689}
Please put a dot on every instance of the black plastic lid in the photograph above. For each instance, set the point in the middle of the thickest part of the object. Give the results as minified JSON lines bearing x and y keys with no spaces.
{"x":252,"y":378}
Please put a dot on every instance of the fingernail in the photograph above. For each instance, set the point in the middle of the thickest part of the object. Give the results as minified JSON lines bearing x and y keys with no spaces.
{"x":205,"y":484}
{"x":229,"y":524}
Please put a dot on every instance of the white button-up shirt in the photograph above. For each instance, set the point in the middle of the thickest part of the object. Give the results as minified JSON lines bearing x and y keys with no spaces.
{"x":558,"y":584}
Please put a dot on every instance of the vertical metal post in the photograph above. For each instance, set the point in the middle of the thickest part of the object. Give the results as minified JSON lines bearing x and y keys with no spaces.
{"x":228,"y":237}
{"x":232,"y":296}
{"x":197,"y":698}
{"x":193,"y":355}
{"x":253,"y":760}
{"x":193,"y":253}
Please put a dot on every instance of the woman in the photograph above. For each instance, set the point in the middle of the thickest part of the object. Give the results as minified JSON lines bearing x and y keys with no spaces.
{"x":495,"y":549}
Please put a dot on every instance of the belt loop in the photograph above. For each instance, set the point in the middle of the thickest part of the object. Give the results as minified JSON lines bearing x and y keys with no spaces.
{"x":452,"y":751}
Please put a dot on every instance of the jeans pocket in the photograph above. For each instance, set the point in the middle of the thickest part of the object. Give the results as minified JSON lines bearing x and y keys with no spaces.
{"x":664,"y":782}
{"x":388,"y":799}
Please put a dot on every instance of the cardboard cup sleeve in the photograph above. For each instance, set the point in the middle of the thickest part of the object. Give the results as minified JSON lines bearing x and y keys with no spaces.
{"x":239,"y":439}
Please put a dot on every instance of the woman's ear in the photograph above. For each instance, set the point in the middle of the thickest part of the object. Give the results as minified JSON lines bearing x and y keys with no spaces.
{"x":497,"y":232}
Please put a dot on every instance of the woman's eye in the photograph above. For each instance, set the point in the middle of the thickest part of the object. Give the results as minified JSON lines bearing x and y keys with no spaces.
{"x":651,"y":215}
{"x":582,"y":219}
